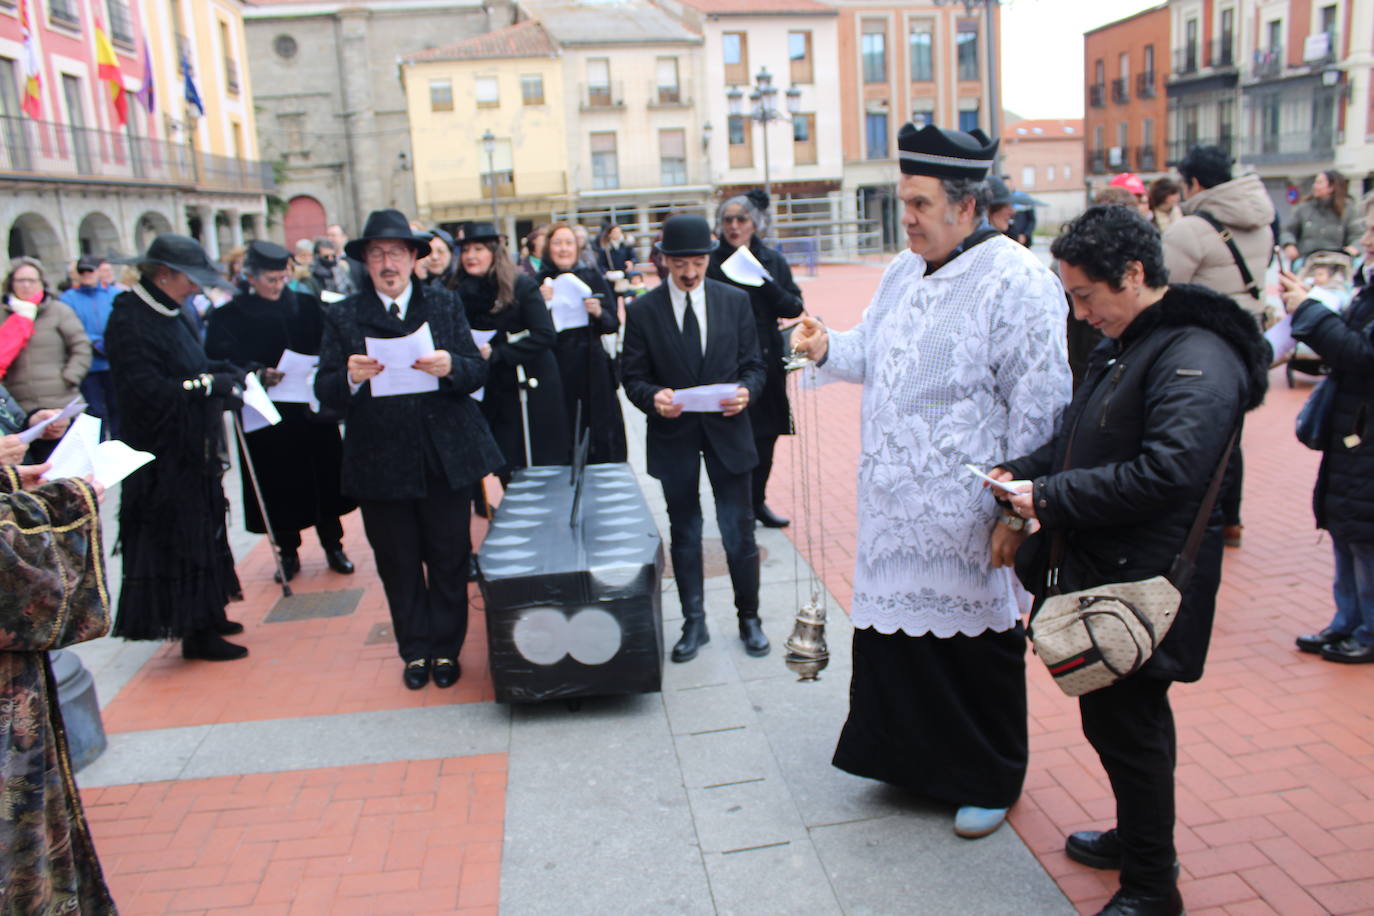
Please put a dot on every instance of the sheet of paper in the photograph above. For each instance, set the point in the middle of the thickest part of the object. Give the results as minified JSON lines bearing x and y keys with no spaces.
{"x":1008,"y":487}
{"x":566,"y":307}
{"x":258,"y":409}
{"x":1280,"y":337}
{"x":397,"y":355}
{"x":704,"y":398}
{"x":743,"y":267}
{"x":297,"y":387}
{"x":327,"y":296}
{"x":479,"y":338}
{"x":75,"y":406}
{"x":81,"y":453}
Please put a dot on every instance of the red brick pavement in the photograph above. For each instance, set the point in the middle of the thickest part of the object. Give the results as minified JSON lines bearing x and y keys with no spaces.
{"x":298,"y":668}
{"x":1276,"y":748}
{"x":407,"y":838}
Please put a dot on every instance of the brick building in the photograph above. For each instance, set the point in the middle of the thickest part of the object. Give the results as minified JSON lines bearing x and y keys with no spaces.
{"x":1044,"y":158}
{"x":1127,"y":63}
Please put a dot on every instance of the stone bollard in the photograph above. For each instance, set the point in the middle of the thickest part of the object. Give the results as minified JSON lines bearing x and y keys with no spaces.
{"x":80,"y":708}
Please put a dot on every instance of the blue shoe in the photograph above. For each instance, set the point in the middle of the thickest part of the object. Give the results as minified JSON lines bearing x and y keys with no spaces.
{"x":972,"y":822}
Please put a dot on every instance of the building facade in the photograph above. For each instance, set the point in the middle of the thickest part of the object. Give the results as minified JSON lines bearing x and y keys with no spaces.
{"x":76,"y":181}
{"x":1126,"y":69}
{"x":487,"y":129}
{"x":332,"y":109}
{"x":1044,"y":158}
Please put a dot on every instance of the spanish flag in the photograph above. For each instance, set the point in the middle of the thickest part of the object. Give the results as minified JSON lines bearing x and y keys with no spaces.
{"x":31,"y":105}
{"x":108,"y":69}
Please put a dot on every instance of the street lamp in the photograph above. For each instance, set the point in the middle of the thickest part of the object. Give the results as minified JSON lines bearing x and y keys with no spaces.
{"x":489,"y":147}
{"x":761,"y":102}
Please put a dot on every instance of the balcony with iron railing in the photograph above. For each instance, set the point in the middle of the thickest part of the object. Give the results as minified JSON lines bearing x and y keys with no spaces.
{"x":1185,"y":60}
{"x":1221,"y":53}
{"x":666,"y":96}
{"x":1119,"y":159}
{"x":1097,"y":95}
{"x":1145,"y":158}
{"x":1267,"y":63}
{"x":35,"y":150}
{"x":1097,"y":162}
{"x":1177,"y":149}
{"x":1121,"y":93}
{"x":508,"y":185}
{"x":1145,"y":85}
{"x":1319,"y":49}
{"x":1298,"y":146}
{"x":600,"y":96}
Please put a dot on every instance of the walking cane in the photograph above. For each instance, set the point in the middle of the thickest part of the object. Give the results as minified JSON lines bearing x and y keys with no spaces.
{"x":262,"y":505}
{"x":524,"y":384}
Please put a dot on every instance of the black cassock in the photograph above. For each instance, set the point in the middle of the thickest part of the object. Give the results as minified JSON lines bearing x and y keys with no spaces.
{"x":298,"y":460}
{"x":524,"y":337}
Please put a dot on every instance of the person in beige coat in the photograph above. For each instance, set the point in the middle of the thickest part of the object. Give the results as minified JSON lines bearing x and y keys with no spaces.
{"x":48,"y":371}
{"x":1195,"y":252}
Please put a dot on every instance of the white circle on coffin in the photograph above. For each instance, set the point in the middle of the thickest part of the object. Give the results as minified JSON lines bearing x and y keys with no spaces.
{"x":541,"y":636}
{"x":593,"y":637}
{"x":542,"y":472}
{"x":618,"y":575}
{"x":521,"y":497}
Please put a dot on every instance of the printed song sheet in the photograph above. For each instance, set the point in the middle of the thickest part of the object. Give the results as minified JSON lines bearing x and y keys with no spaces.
{"x":75,"y":406}
{"x":566,"y":307}
{"x":298,"y":384}
{"x":398,"y":354}
{"x":704,"y":398}
{"x":479,"y":338}
{"x":81,"y":453}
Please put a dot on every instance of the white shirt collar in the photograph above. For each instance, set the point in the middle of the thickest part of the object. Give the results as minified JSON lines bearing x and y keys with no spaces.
{"x":402,"y":301}
{"x":679,"y":300}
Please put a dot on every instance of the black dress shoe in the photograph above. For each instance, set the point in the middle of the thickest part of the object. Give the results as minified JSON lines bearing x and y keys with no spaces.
{"x":751,"y":632}
{"x":1124,"y":904}
{"x":1313,"y":642}
{"x":416,"y":674}
{"x":694,"y":636}
{"x":768,"y":519}
{"x":1349,"y":650}
{"x":1094,"y":848}
{"x":227,"y":627}
{"x":290,"y":564}
{"x":207,"y":645}
{"x":446,"y":671}
{"x":339,"y":561}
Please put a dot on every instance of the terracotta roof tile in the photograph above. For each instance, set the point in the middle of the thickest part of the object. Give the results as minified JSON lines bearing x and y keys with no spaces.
{"x":524,"y":39}
{"x":760,"y":7}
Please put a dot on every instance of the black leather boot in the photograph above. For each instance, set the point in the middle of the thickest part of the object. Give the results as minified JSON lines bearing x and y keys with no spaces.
{"x":290,"y":565}
{"x":751,"y":632}
{"x":207,"y":645}
{"x":768,"y":518}
{"x":1124,"y":904}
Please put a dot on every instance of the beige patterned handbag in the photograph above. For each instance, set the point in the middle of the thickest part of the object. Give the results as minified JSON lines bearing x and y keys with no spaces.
{"x":1092,"y":638}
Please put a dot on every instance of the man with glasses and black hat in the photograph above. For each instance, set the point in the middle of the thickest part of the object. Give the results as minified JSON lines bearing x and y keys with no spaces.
{"x":687,"y":332}
{"x":410,"y":460}
{"x":961,"y":355}
{"x":297,"y":460}
{"x":171,"y":398}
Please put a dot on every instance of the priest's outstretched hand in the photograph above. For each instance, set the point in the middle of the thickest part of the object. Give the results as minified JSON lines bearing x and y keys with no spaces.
{"x":810,"y":339}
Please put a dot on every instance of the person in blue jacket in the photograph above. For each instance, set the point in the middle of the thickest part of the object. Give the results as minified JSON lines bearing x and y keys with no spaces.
{"x":92,"y":301}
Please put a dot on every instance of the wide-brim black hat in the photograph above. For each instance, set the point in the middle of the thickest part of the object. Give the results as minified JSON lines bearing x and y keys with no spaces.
{"x":479,"y":231}
{"x":686,"y":235}
{"x":181,"y":253}
{"x":941,"y":153}
{"x":386,"y":225}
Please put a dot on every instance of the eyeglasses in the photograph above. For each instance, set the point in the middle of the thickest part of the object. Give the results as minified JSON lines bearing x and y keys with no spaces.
{"x":33,"y":281}
{"x":735,"y":218}
{"x":388,"y":254}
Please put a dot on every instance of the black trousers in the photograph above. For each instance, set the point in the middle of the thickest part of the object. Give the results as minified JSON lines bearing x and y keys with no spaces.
{"x":329,"y":530}
{"x":1232,"y":483}
{"x":765,"y":445}
{"x":1131,"y":726}
{"x":421,"y":547}
{"x":734,"y":515}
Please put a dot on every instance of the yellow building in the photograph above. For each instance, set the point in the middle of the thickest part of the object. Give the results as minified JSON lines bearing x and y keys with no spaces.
{"x":487,"y":127}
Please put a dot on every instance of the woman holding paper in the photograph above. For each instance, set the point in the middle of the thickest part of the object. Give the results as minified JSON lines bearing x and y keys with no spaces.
{"x":588,"y":371}
{"x":504,"y":306}
{"x":740,"y":223}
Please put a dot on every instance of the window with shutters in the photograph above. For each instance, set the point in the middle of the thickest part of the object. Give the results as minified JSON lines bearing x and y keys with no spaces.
{"x":598,"y":82}
{"x":605,"y":167}
{"x":532,"y":89}
{"x":966,"y":49}
{"x":799,"y":55}
{"x":441,"y":95}
{"x":921,"y":43}
{"x":672,"y":156}
{"x":666,"y":81}
{"x":487,"y":92}
{"x":804,"y":139}
{"x":741,"y":143}
{"x":873,"y":50}
{"x":735,"y":53}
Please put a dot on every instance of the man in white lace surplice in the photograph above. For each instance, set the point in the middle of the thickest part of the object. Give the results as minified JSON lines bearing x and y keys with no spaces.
{"x":962,"y":359}
{"x":966,"y":365}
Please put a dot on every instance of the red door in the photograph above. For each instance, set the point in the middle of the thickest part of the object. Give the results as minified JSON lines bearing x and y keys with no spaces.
{"x":304,"y":220}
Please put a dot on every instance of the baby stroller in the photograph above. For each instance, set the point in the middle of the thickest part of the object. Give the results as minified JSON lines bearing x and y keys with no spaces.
{"x":1327,"y":274}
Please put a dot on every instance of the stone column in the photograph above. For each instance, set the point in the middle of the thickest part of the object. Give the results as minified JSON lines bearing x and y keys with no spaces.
{"x":209,"y":232}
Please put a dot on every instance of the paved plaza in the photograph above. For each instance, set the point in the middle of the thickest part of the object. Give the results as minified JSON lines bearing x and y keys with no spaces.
{"x":307,"y":779}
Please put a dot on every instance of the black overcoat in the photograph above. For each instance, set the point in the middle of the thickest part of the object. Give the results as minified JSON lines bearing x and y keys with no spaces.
{"x":614,"y":258}
{"x":297,"y":460}
{"x":394,"y":445}
{"x":1143,"y":436}
{"x":589,"y":377}
{"x":178,"y":571}
{"x":524,"y":337}
{"x":654,"y":359}
{"x":1344,"y":496}
{"x":770,"y":415}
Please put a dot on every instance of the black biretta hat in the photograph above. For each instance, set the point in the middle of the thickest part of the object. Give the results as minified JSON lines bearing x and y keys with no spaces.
{"x":940,"y":153}
{"x":686,"y":235}
{"x":385,"y":224}
{"x":265,"y":255}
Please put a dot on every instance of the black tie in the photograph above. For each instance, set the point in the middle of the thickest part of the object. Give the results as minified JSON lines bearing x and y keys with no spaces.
{"x":395,"y":311}
{"x":691,"y":337}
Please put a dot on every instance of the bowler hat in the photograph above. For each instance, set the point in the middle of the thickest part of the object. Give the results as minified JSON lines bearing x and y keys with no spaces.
{"x":686,"y":235}
{"x":181,"y":253}
{"x":385,"y":224}
{"x":479,"y":231}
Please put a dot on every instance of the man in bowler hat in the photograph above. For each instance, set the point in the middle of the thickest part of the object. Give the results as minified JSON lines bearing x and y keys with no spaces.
{"x":692,"y":331}
{"x":410,"y":460}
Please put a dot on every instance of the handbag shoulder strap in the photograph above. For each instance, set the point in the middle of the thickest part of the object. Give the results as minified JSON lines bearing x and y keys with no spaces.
{"x":1182,"y":569}
{"x":1247,"y":278}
